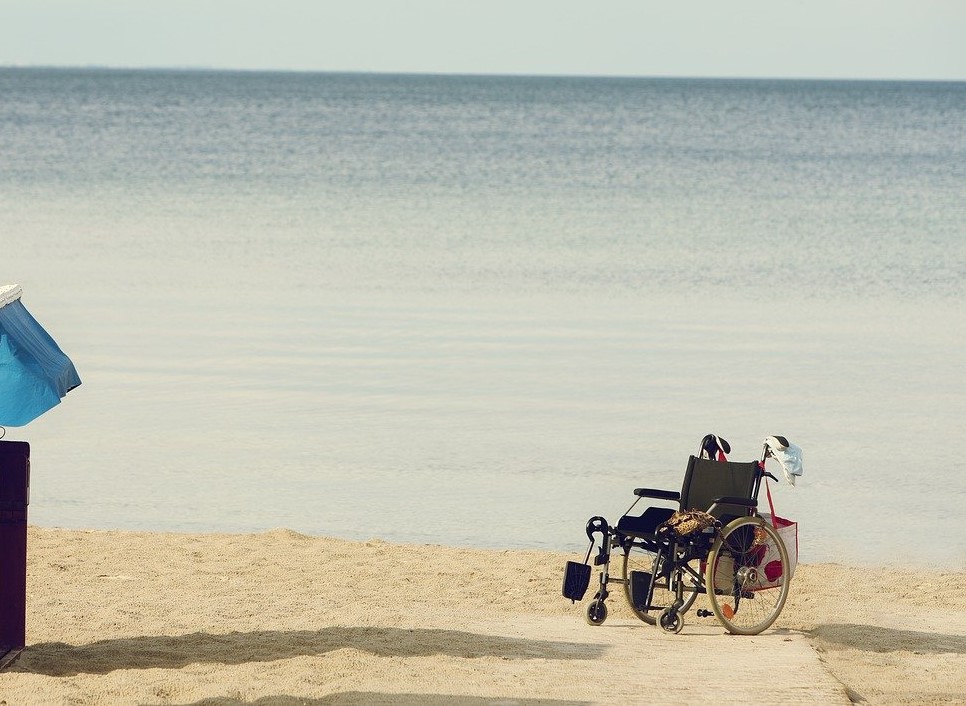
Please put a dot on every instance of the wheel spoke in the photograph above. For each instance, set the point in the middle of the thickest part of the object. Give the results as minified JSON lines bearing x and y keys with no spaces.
{"x":747,"y":576}
{"x":639,"y":562}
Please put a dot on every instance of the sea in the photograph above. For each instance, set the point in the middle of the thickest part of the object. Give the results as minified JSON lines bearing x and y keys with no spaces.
{"x":478,"y":310}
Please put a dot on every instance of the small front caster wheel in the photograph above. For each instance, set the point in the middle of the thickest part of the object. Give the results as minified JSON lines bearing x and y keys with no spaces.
{"x":596,"y":612}
{"x":671,"y":621}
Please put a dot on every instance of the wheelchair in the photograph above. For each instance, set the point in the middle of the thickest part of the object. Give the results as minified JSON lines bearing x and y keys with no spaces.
{"x":716,"y":545}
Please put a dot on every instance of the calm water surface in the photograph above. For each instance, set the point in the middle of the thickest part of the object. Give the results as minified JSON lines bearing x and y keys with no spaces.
{"x":477,"y":311}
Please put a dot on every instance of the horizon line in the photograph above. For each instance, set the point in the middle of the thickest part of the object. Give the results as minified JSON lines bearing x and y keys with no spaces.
{"x":190,"y":68}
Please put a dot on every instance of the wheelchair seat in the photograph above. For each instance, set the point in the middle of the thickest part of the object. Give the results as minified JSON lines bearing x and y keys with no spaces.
{"x":646,"y":524}
{"x":704,"y":482}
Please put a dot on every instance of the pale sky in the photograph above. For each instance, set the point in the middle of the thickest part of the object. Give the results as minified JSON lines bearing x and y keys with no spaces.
{"x":876,"y":39}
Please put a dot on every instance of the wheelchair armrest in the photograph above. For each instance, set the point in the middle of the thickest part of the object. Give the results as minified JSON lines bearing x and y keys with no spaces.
{"x":731,"y":500}
{"x":659,"y":494}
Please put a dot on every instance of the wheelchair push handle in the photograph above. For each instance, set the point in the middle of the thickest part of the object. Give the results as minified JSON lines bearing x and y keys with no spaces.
{"x":761,"y":466}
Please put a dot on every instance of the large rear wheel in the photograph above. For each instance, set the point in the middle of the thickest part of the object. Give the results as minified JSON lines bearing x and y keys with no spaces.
{"x":747,"y":576}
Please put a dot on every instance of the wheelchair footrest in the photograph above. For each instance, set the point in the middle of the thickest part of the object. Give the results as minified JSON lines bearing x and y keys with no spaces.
{"x":576,"y":580}
{"x":640,"y":589}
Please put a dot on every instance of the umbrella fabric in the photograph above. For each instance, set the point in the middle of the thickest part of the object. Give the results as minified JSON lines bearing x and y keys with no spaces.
{"x":34,"y":372}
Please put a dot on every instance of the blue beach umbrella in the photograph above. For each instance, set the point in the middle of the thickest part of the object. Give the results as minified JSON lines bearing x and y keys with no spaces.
{"x":34,"y":373}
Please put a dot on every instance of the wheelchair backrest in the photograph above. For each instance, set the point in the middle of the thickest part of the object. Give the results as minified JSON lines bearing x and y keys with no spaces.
{"x":706,"y":480}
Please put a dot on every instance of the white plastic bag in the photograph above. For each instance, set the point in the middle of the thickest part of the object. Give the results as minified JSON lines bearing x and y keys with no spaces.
{"x":788,"y":455}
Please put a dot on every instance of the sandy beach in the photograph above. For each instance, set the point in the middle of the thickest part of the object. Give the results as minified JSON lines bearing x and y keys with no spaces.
{"x":281,"y":618}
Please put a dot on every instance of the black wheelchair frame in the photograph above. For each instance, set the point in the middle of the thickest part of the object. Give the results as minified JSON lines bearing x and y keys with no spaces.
{"x":663,"y":573}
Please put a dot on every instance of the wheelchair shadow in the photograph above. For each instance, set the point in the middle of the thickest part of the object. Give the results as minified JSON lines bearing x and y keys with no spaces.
{"x":58,"y":659}
{"x":352,"y":698}
{"x":876,"y":639}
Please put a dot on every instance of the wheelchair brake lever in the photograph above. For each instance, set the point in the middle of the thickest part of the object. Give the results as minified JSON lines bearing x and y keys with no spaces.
{"x":597,"y":524}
